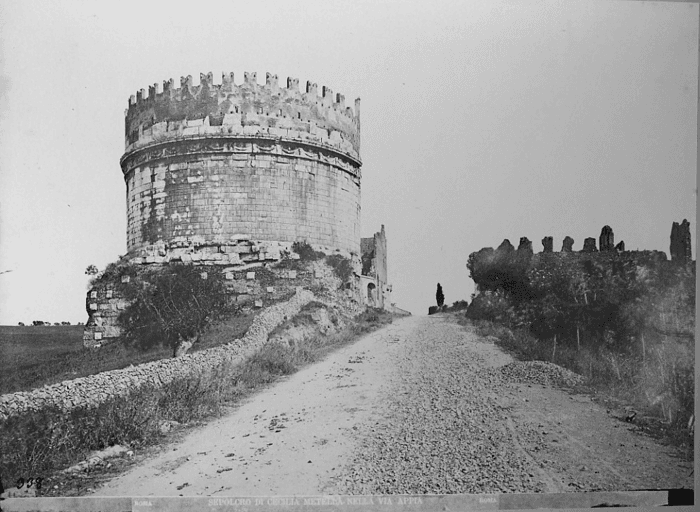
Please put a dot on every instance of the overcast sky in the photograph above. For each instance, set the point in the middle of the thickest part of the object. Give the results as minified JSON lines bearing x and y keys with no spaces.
{"x":481,"y":120}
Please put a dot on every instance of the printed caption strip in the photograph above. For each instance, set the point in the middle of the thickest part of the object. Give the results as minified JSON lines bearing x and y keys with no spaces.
{"x":386,"y":503}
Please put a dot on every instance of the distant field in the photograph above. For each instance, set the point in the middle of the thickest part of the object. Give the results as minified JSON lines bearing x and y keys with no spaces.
{"x":24,"y":348}
{"x":34,"y":356}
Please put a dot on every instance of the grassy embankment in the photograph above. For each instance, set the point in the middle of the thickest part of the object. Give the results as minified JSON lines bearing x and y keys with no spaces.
{"x":42,"y":443}
{"x":625,"y":322}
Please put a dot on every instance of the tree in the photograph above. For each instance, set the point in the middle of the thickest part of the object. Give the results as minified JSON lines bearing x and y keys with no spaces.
{"x":439,"y":296}
{"x":21,"y":324}
{"x":91,"y":270}
{"x":172,"y":307}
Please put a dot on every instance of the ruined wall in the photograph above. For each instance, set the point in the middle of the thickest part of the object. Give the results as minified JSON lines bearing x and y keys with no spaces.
{"x":251,"y":288}
{"x":375,"y":285}
{"x":205,"y":164}
{"x":487,"y":264}
{"x":681,"y":246}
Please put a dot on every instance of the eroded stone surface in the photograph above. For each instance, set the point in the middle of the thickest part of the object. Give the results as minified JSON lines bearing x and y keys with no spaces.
{"x":681,"y":248}
{"x":547,"y":244}
{"x":606,"y":239}
{"x":567,"y":244}
{"x":589,"y":245}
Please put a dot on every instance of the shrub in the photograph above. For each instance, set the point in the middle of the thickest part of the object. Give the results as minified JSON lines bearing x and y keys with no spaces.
{"x":341,"y":266}
{"x":173,"y":305}
{"x":491,"y":306}
{"x":306,"y":252}
{"x":459,"y":305}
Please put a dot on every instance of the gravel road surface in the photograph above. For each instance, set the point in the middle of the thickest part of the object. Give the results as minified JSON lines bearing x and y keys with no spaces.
{"x":420,"y":406}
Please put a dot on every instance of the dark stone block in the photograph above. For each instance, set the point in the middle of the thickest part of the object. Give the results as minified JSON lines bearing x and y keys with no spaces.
{"x":567,"y":245}
{"x":548,"y":244}
{"x":607,"y":239}
{"x":589,"y":245}
{"x":525,"y":245}
{"x":681,"y":250}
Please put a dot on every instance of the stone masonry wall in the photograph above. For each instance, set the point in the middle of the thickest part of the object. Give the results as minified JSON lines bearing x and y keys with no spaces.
{"x":269,"y":197}
{"x":253,"y":286}
{"x":95,"y":389}
{"x":208,"y":163}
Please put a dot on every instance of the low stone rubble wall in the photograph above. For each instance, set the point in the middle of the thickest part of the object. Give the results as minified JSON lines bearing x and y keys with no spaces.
{"x":95,"y":389}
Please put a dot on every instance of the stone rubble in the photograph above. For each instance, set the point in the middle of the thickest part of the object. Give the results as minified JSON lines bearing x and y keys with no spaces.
{"x":539,"y":372}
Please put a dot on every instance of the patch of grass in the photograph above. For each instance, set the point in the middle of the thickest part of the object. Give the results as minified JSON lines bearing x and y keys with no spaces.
{"x":44,"y":442}
{"x":24,"y":349}
{"x":229,"y":329}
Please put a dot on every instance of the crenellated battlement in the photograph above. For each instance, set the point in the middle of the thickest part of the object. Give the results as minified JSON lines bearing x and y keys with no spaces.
{"x":228,"y":109}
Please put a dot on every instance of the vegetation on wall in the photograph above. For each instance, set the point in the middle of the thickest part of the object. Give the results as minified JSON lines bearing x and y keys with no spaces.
{"x":342,"y":266}
{"x":173,"y":305}
{"x":626,"y":321}
{"x":306,"y":252}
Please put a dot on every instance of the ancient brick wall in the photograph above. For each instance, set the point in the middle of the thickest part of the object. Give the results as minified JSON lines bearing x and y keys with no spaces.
{"x":206,"y":164}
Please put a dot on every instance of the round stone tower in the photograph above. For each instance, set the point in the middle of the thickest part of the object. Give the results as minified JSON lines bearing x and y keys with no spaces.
{"x":207,"y":166}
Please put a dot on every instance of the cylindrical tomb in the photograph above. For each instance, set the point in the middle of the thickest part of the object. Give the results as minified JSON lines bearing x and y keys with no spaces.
{"x":209,"y":165}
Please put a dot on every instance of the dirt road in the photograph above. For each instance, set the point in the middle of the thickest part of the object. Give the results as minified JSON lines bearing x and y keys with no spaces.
{"x":411,"y":408}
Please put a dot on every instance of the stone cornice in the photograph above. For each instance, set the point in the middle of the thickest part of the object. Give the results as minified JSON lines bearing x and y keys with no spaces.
{"x":237,"y":144}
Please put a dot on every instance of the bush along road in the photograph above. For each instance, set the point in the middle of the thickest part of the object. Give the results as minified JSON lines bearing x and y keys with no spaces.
{"x":423,"y":405}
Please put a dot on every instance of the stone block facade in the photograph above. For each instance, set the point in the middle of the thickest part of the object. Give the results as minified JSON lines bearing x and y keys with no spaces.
{"x":206,"y":163}
{"x":103,"y":305}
